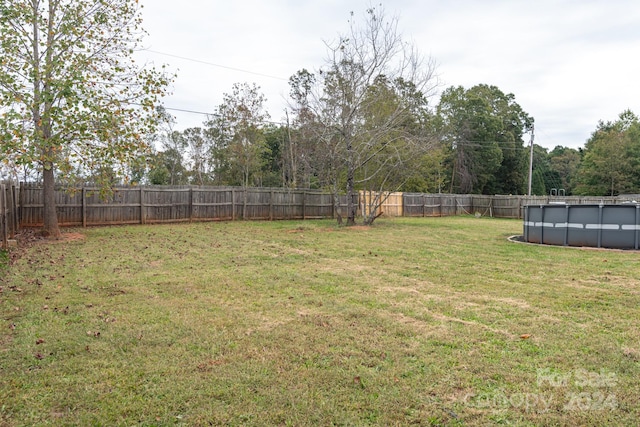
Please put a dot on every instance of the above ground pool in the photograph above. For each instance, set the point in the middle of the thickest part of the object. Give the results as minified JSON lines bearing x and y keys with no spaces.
{"x":598,"y":226}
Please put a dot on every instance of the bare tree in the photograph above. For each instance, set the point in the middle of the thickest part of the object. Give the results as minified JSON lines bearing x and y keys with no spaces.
{"x":369,"y":106}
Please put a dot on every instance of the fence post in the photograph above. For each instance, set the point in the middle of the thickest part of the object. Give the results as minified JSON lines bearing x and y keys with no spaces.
{"x":521,"y":205}
{"x":233,"y":204}
{"x":245,"y":196}
{"x":142,"y":221}
{"x":271,"y":205}
{"x":84,"y":206}
{"x":3,"y":213}
{"x":16,"y":211}
{"x":191,"y":204}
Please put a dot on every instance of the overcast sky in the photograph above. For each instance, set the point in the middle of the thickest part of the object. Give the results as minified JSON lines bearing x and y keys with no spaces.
{"x":569,"y":63}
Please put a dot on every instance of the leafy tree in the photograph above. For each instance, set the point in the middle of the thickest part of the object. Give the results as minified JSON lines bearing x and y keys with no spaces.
{"x":70,"y":92}
{"x":431,"y":173}
{"x":484,"y":127}
{"x":173,"y":145}
{"x":166,"y":168}
{"x":544,"y":178}
{"x":158,"y":173}
{"x":564,"y":163}
{"x":302,"y":151}
{"x":610,"y":157}
{"x":237,"y":134}
{"x":199,"y":151}
{"x":275,"y":157}
{"x":395,"y":128}
{"x":538,"y":186}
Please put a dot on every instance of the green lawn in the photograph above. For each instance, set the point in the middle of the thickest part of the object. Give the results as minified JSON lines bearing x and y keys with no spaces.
{"x":434,"y":321}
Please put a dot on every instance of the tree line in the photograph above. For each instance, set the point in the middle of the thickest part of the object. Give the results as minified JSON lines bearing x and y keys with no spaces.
{"x":462,"y":157}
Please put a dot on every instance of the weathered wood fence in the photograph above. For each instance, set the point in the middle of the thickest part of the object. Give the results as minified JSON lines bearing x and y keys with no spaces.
{"x":495,"y":206}
{"x":8,"y":212}
{"x":462,"y":204}
{"x":158,"y":204}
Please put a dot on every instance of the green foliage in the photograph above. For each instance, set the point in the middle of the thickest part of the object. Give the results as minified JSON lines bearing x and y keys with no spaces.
{"x":199,"y":153}
{"x":274,"y":173}
{"x":538,"y":187}
{"x":484,"y":127}
{"x":71,"y":93}
{"x":563,"y":164}
{"x":166,"y":168}
{"x":83,"y":91}
{"x":609,"y":165}
{"x":430,"y":173}
{"x":239,"y":149}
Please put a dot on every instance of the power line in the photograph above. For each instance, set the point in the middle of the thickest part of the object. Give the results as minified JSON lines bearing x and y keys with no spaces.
{"x":182,"y":110}
{"x":189,"y":111}
{"x":216,"y":65}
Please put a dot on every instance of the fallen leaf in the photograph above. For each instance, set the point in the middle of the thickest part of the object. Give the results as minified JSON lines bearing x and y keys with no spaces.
{"x":525,"y":336}
{"x":39,"y":341}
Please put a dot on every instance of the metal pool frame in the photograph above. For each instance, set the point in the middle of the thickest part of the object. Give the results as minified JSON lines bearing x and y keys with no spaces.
{"x":599,"y":226}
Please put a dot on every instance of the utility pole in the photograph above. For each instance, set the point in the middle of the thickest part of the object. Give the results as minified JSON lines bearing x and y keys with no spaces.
{"x":531,"y":162}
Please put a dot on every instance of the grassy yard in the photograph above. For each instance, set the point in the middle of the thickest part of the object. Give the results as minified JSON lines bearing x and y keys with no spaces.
{"x":436,"y":321}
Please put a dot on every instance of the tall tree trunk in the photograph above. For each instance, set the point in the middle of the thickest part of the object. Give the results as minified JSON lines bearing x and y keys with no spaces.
{"x":50,"y":229}
{"x":42,"y":122}
{"x":351,"y":208}
{"x":337,"y":212}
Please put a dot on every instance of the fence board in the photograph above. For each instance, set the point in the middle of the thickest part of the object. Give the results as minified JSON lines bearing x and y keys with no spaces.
{"x":9,"y":216}
{"x":4,"y":217}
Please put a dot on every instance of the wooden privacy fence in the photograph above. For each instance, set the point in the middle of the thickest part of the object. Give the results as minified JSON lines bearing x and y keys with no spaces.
{"x":498,"y":206}
{"x":157,"y":204}
{"x":8,"y":212}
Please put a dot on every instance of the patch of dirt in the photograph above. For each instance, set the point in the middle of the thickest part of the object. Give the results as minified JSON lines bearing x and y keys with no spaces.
{"x":71,"y":237}
{"x":30,"y":236}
